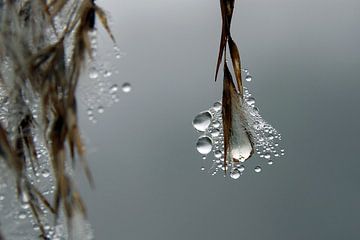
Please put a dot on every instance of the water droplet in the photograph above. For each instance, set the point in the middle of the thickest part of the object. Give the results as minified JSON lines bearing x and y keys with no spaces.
{"x":45,"y":173}
{"x":25,"y":206}
{"x":202,"y":121}
{"x":2,"y":197}
{"x":36,"y":226}
{"x":257,"y":169}
{"x":270,"y":162}
{"x":216,"y":124}
{"x":22,"y":215}
{"x":113,"y":89}
{"x":271,"y":137}
{"x":241,"y":168}
{"x":100,"y":109}
{"x":204,"y":145}
{"x":126,"y":87}
{"x":93,"y":73}
{"x":107,"y":73}
{"x":248,"y":78}
{"x":250,"y":100}
{"x":235,"y":174}
{"x":202,"y":168}
{"x":267,"y":156}
{"x":215,"y":132}
{"x":217,"y":106}
{"x":218,"y":154}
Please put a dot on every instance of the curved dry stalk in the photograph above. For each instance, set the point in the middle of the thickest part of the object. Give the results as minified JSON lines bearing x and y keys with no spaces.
{"x":238,"y":143}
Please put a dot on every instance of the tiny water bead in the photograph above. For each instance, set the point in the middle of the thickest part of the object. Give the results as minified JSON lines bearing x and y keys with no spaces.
{"x":101,"y":89}
{"x":93,"y":73}
{"x":45,"y":173}
{"x":204,"y":145}
{"x":248,"y":78}
{"x":22,"y":215}
{"x":218,"y":154}
{"x":250,"y":101}
{"x":126,"y":87}
{"x":235,"y":173}
{"x":107,"y":73}
{"x":114,"y":89}
{"x":118,"y":53}
{"x":257,"y":169}
{"x":101,"y":109}
{"x":202,"y":121}
{"x":217,"y":106}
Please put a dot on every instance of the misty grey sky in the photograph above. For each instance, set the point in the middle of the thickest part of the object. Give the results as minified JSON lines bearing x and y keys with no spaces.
{"x":305,"y":60}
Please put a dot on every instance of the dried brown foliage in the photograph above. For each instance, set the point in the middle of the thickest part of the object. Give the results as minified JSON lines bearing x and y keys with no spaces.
{"x":46,"y":61}
{"x":232,"y":96}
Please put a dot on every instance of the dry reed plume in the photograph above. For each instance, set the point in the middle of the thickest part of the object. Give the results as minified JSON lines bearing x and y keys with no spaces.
{"x":43,"y":49}
{"x":232,"y":98}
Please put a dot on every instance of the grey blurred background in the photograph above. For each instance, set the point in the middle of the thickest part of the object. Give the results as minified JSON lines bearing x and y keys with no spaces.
{"x":305,"y":60}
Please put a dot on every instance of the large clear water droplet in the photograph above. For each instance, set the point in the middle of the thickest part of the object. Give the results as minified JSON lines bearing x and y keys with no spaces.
{"x":202,"y":121}
{"x":204,"y":145}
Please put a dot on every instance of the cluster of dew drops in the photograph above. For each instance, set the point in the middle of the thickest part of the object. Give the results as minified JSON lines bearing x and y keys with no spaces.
{"x":266,"y":139}
{"x":20,"y":211}
{"x":101,"y":90}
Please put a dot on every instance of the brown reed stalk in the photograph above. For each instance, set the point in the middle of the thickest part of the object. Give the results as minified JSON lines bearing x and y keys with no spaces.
{"x":232,"y":97}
